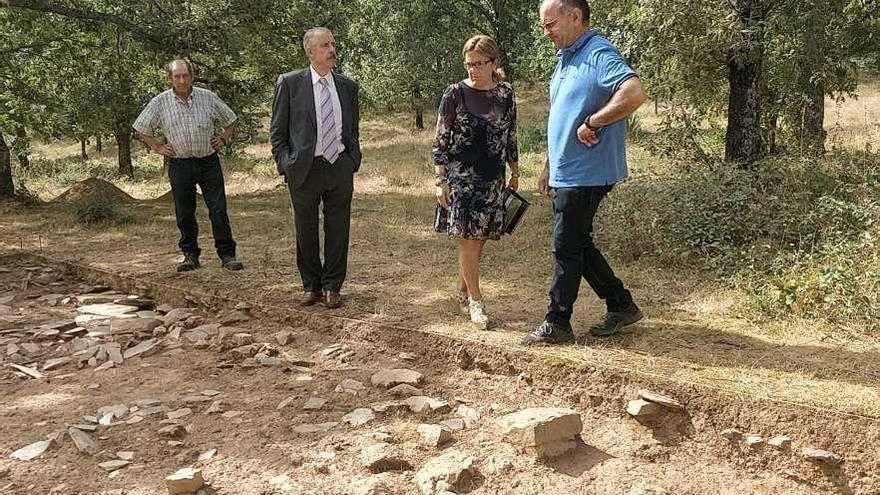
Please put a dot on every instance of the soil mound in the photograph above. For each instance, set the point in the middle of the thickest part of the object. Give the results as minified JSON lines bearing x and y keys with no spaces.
{"x":93,"y":189}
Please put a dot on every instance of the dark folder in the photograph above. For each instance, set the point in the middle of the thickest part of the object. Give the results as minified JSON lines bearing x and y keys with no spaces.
{"x":515,"y":206}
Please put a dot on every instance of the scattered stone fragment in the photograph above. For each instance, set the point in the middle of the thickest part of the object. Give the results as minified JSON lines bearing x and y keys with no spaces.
{"x":314,"y":428}
{"x":108,"y":310}
{"x":142,"y":348}
{"x":32,"y":451}
{"x":446,"y":471}
{"x":113,"y":465}
{"x":731,"y":434}
{"x":164,"y":308}
{"x":83,"y":441}
{"x":233,"y":317}
{"x":381,"y":458}
{"x":359,"y":417}
{"x":548,"y":431}
{"x":374,"y":485}
{"x":780,"y":442}
{"x":186,"y":480}
{"x":27,"y":371}
{"x":314,"y":403}
{"x":391,"y":378}
{"x":134,"y":420}
{"x":640,"y":408}
{"x":350,"y":386}
{"x":207,"y":456}
{"x":189,"y":399}
{"x":408,"y":356}
{"x":286,"y":402}
{"x":455,"y":424}
{"x":114,"y":411}
{"x":754,"y":441}
{"x":821,"y":456}
{"x":421,"y":404}
{"x":283,"y":337}
{"x":404,"y":390}
{"x":470,"y":415}
{"x":232,"y":414}
{"x":173,"y":431}
{"x":497,"y":465}
{"x":241,"y":339}
{"x":179,"y":413}
{"x":211,"y":393}
{"x":83,"y":427}
{"x":389,"y":407}
{"x":114,"y":352}
{"x":176,"y":315}
{"x":106,"y":366}
{"x":268,"y":360}
{"x":125,"y":455}
{"x":56,"y":363}
{"x":434,"y":435}
{"x":661,"y":399}
{"x":134,"y":326}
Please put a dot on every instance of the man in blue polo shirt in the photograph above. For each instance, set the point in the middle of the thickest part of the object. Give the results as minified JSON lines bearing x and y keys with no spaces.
{"x":592,"y":91}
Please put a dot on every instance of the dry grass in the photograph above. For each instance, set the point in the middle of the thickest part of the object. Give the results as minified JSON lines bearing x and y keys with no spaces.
{"x":401,"y":272}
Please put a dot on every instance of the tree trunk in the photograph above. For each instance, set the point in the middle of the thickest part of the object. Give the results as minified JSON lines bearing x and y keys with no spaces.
{"x":744,"y":63}
{"x":99,"y":144}
{"x":23,"y":158}
{"x":122,"y":132}
{"x":7,"y":188}
{"x":418,"y":106}
{"x":812,"y":132}
{"x":82,"y":149}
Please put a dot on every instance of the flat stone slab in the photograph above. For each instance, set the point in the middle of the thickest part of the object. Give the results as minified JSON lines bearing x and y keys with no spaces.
{"x":113,"y":465}
{"x":359,"y":417}
{"x":663,"y":400}
{"x":641,"y":408}
{"x":109,"y":310}
{"x":434,"y":435}
{"x":83,"y":441}
{"x":393,"y":377}
{"x":143,"y":347}
{"x":549,"y":431}
{"x":445,"y":471}
{"x":822,"y":456}
{"x":186,"y":480}
{"x":421,"y":404}
{"x":32,"y":451}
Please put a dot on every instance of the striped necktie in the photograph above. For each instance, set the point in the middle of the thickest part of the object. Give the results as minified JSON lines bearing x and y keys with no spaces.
{"x":329,"y":140}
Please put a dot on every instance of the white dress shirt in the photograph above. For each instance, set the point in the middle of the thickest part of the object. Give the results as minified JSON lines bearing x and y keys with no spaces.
{"x":337,"y":109}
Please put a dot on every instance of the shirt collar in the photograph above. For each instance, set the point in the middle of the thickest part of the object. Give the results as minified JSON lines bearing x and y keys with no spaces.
{"x":317,"y":77}
{"x":578,"y":44}
{"x":188,"y":100}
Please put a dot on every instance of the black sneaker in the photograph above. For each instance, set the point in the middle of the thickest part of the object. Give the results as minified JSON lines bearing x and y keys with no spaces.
{"x":549,"y":333}
{"x":231,"y":263}
{"x":613,"y":321}
{"x":190,"y":262}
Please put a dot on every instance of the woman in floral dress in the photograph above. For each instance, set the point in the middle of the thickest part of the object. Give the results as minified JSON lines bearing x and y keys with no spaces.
{"x":474,"y":145}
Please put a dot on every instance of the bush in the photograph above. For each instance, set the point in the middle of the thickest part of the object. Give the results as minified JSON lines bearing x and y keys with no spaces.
{"x":100,"y":212}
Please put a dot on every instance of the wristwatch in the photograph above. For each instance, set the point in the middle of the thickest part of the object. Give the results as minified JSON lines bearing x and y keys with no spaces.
{"x":587,"y":123}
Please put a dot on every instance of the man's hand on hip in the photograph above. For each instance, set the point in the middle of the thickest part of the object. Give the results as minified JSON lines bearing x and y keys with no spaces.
{"x":165,"y":150}
{"x":587,"y":136}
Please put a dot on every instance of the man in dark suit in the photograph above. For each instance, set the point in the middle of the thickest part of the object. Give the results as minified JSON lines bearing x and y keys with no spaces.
{"x":315,"y":143}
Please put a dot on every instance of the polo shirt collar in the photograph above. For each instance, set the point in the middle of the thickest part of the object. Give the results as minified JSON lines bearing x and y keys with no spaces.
{"x":578,"y":44}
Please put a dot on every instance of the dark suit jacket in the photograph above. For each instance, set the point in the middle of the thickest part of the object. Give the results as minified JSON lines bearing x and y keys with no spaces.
{"x":294,"y":129}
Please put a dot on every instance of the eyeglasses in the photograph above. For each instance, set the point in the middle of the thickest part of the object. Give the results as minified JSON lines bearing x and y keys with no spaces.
{"x":478,"y":65}
{"x":549,"y":24}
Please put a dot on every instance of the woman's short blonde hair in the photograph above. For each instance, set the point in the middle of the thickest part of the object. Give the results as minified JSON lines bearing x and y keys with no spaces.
{"x":487,"y":47}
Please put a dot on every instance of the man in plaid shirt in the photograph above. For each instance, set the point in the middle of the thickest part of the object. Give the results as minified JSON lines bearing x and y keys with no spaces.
{"x":187,"y":116}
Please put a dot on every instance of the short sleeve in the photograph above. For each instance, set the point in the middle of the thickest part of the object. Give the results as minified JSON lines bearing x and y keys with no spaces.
{"x":613,"y":69}
{"x":147,"y":122}
{"x":224,"y":115}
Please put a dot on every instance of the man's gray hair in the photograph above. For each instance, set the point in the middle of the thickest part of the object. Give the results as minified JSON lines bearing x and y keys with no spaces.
{"x":307,"y":38}
{"x":180,"y":61}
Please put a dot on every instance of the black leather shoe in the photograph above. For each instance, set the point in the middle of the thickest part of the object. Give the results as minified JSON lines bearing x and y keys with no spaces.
{"x":231,"y":263}
{"x":549,"y":333}
{"x":613,"y":321}
{"x":190,"y":262}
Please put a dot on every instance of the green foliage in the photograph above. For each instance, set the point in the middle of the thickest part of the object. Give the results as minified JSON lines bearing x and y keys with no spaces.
{"x":100,"y":212}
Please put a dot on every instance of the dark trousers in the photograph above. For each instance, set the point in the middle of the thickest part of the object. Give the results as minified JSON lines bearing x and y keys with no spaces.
{"x":577,"y":256}
{"x":332,"y":184}
{"x":185,"y":173}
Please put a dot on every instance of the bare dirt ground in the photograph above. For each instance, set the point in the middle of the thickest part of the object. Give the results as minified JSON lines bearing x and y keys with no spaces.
{"x":251,"y":409}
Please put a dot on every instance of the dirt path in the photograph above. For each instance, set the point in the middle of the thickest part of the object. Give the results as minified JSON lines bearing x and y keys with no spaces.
{"x":261,"y":450}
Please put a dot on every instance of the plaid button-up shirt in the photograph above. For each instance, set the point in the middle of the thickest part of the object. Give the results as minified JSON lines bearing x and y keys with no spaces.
{"x":188,"y":125}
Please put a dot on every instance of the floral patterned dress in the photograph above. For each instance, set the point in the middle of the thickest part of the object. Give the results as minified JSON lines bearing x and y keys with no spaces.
{"x":476,"y":138}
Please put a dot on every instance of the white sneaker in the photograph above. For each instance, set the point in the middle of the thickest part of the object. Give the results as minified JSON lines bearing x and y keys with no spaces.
{"x":478,"y":314}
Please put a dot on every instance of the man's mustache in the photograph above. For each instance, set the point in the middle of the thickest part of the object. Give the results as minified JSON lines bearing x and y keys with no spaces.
{"x":331,"y":56}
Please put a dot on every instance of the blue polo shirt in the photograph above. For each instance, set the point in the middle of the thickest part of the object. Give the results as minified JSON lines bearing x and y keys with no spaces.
{"x":587,"y":74}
